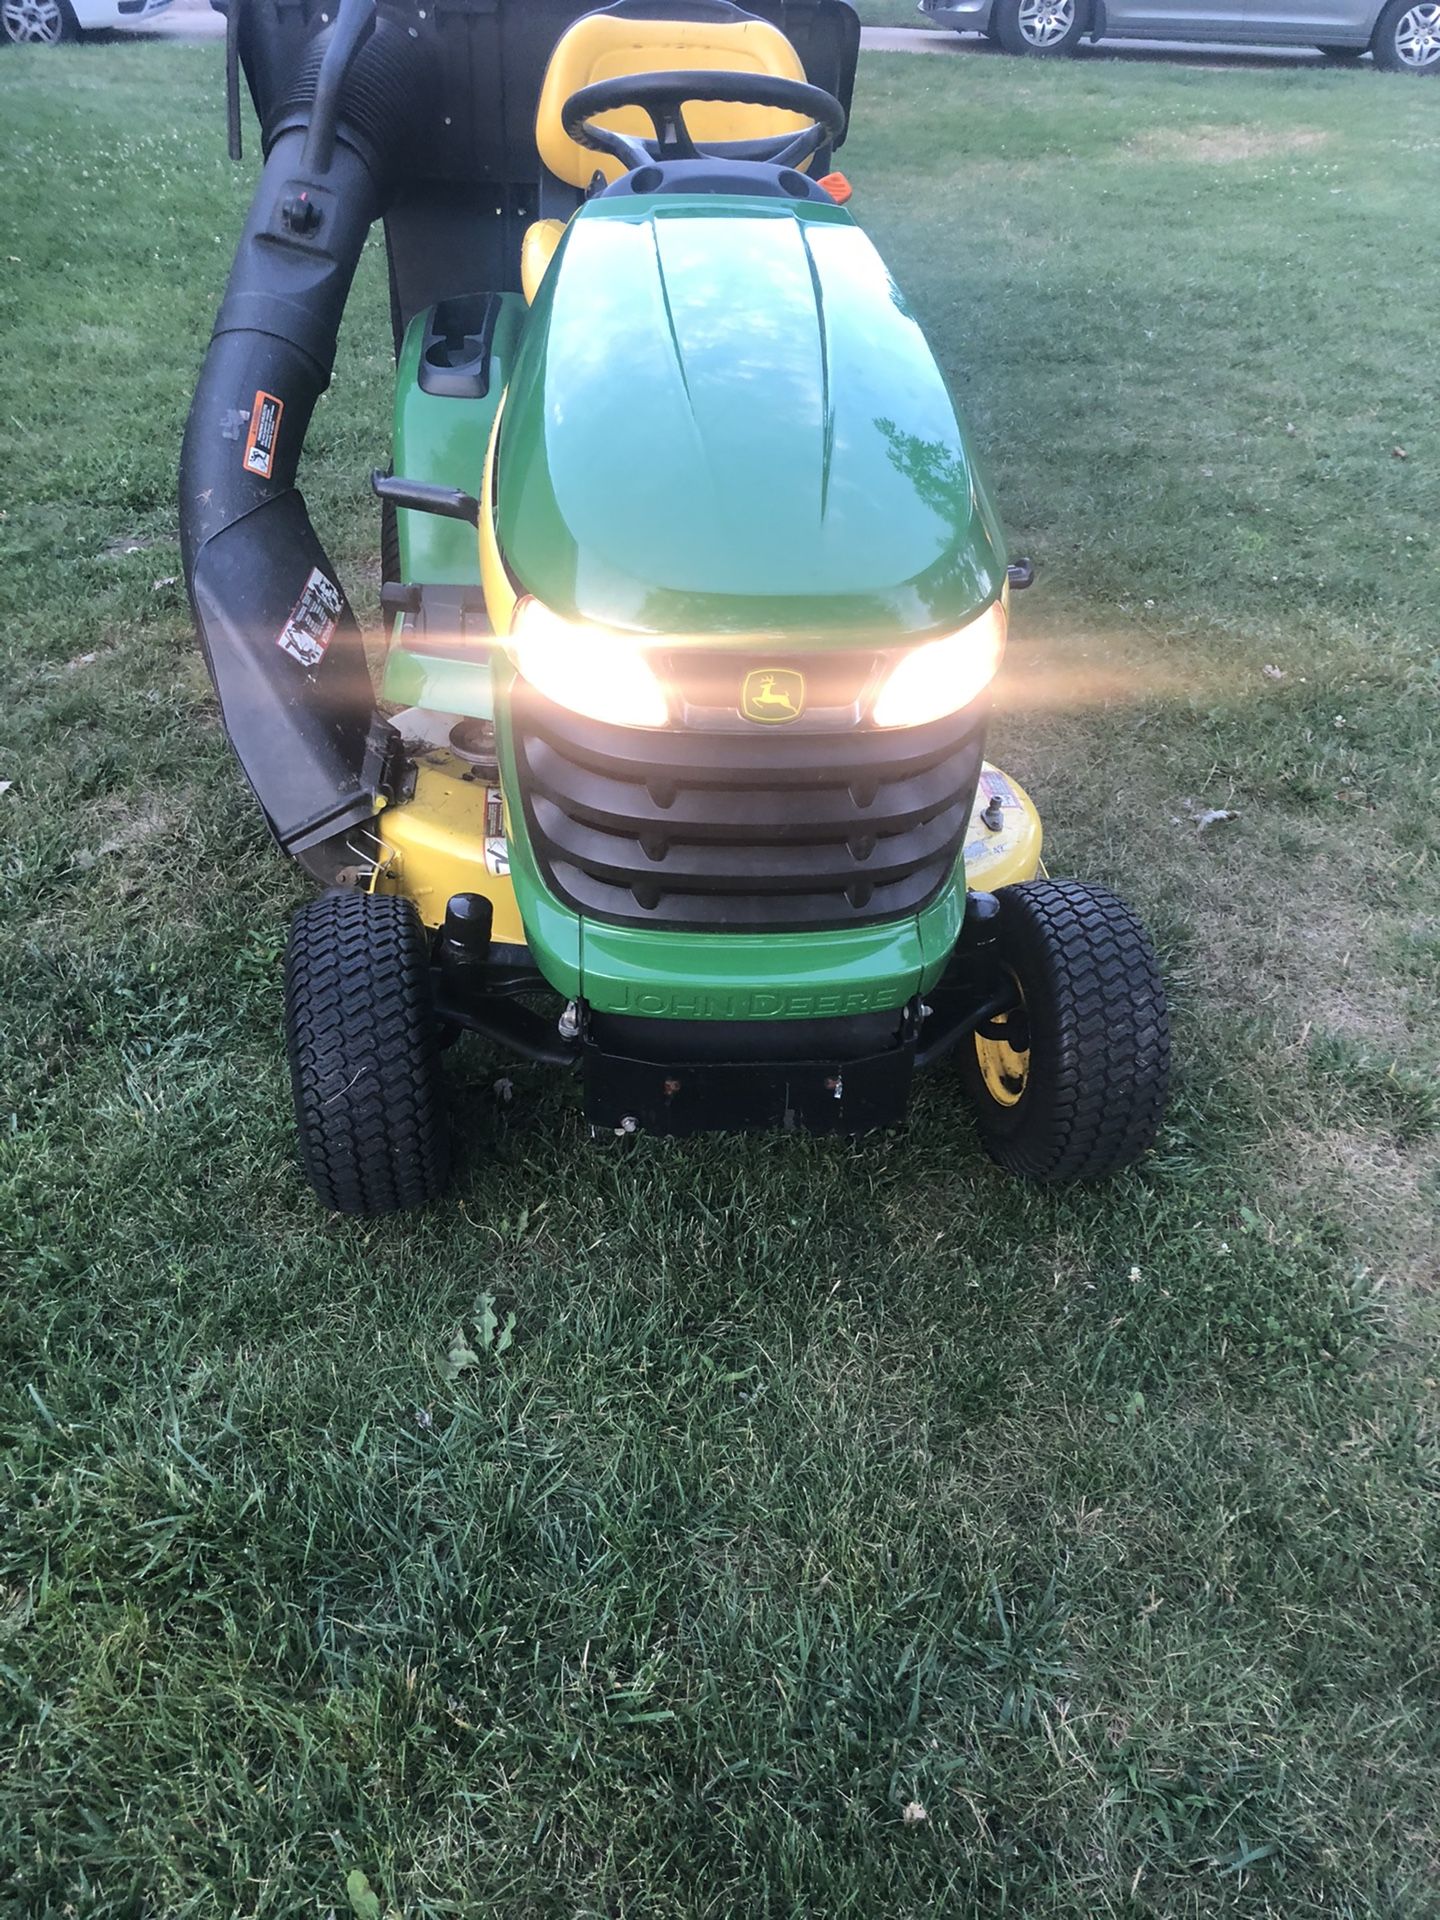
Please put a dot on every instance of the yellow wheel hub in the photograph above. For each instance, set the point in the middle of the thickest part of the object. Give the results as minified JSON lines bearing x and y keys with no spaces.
{"x":1004,"y":1067}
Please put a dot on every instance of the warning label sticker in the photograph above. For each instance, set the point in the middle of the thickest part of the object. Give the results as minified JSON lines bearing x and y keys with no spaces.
{"x":264,"y":432}
{"x":313,"y":620}
{"x":497,"y":850}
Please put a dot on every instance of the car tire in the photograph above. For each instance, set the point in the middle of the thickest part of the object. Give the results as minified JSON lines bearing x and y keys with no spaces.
{"x":364,"y":1049}
{"x":1071,"y":1082}
{"x":1407,"y":37}
{"x":1044,"y":29}
{"x":39,"y":23}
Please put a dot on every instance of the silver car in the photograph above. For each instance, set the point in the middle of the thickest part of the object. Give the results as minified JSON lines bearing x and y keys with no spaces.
{"x":1403,"y":35}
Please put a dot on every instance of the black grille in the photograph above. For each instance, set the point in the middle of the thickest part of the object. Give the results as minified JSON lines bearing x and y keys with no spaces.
{"x":769,"y":830}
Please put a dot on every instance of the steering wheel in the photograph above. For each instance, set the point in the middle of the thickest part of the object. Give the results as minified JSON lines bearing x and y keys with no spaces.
{"x":663,"y":97}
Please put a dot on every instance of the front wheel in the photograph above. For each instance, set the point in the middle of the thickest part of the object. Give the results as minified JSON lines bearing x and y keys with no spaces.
{"x":1407,"y":37}
{"x":364,"y":1048}
{"x":1069,"y":1081}
{"x":1041,"y":27}
{"x":39,"y":23}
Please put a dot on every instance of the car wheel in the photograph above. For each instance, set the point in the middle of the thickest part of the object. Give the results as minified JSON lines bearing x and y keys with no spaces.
{"x":1069,"y":1082}
{"x":1045,"y":28}
{"x":364,"y":1048}
{"x":37,"y":23}
{"x":1407,"y":37}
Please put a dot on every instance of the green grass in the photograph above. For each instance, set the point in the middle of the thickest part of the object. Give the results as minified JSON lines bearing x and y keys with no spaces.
{"x":814,"y":1479}
{"x":890,"y":13}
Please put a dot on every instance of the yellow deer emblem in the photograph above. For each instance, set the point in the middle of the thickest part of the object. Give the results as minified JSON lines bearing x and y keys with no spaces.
{"x":772,"y":694}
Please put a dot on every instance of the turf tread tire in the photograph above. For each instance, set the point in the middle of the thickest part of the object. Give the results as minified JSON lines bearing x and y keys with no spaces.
{"x":1099,"y":1035}
{"x":364,"y":1050}
{"x":389,"y":544}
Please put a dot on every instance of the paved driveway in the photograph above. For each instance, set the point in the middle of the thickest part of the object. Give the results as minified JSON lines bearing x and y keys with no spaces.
{"x":197,"y":20}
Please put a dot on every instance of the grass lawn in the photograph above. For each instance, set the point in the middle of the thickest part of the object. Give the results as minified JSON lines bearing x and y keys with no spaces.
{"x":890,"y":13}
{"x":815,"y":1479}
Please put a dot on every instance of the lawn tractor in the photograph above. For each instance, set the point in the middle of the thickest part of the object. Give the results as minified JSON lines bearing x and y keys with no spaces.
{"x":672,"y":773}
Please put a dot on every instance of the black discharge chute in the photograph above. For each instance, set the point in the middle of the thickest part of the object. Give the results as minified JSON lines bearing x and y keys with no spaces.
{"x":280,"y":639}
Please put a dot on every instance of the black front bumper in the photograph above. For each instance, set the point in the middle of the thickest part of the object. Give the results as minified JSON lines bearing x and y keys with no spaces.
{"x":846,"y":1076}
{"x":683,"y":1077}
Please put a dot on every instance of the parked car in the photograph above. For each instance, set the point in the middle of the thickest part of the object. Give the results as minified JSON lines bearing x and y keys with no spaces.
{"x":46,"y":23}
{"x":1403,"y":35}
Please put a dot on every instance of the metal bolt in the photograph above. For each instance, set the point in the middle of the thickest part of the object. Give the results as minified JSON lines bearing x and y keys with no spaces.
{"x":569,"y":1022}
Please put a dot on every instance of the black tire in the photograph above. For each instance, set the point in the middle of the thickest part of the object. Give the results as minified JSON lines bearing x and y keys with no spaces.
{"x":1030,"y":34}
{"x":364,"y":1049}
{"x":389,"y":543}
{"x":1390,"y":34}
{"x":15,"y":31}
{"x":1098,"y":1031}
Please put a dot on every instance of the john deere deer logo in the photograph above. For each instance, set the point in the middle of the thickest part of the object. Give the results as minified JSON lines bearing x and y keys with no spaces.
{"x":771,"y":694}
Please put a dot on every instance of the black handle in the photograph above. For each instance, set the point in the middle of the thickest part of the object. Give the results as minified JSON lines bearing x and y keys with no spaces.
{"x":422,"y":496}
{"x":354,"y":24}
{"x":233,"y":141}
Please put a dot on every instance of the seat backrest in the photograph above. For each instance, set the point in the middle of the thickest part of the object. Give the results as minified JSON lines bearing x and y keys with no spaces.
{"x":647,"y":38}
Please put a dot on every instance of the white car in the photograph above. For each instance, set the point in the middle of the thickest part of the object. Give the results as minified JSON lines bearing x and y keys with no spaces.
{"x":47,"y":22}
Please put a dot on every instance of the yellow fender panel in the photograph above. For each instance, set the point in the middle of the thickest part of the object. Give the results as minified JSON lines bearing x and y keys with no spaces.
{"x":998,"y":857}
{"x":450,"y":837}
{"x":537,"y":250}
{"x":494,"y":580}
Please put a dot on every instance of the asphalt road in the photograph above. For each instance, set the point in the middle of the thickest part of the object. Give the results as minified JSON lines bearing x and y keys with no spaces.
{"x":197,"y":20}
{"x":1186,"y":52}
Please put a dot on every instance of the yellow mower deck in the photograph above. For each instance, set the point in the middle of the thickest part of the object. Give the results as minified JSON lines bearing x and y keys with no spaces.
{"x":450,"y":838}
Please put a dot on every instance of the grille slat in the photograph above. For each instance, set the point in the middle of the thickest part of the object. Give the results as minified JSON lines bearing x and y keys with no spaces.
{"x":836,"y":809}
{"x":782,"y":832}
{"x":771,"y":866}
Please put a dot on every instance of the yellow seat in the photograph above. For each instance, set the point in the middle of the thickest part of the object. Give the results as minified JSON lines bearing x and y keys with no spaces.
{"x":602,"y":46}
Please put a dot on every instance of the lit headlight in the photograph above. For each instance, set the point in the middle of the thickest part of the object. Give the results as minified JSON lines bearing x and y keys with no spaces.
{"x":941,"y":676}
{"x":592,"y":670}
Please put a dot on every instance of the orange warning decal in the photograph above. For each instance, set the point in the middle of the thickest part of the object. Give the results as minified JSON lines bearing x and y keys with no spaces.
{"x":264,"y":432}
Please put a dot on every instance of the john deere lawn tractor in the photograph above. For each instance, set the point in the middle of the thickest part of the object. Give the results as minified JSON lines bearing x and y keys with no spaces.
{"x":672,"y":775}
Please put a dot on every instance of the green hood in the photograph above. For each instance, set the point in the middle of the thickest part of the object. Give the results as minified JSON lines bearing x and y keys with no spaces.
{"x":723,"y":419}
